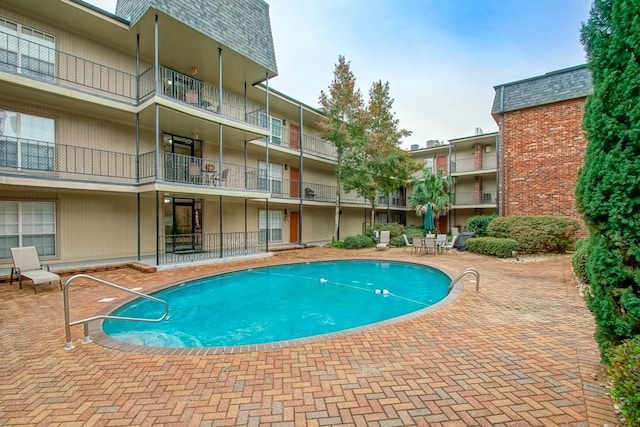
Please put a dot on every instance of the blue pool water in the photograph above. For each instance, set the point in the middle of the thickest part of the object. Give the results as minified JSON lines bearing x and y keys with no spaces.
{"x":281,"y":303}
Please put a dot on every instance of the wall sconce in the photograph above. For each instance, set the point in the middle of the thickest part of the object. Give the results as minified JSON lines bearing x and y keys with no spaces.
{"x":286,"y":167}
{"x":195,"y":135}
{"x":285,"y":217}
{"x":194,"y":70}
{"x":284,"y":122}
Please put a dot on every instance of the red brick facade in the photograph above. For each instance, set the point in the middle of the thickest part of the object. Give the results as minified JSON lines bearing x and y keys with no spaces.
{"x":544,"y":149}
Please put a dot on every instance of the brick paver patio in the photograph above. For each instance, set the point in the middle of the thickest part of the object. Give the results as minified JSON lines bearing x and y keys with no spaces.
{"x":519,"y":352}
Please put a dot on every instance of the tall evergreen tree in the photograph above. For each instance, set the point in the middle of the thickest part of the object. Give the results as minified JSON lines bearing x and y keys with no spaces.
{"x":342,"y":120}
{"x":375,"y":163}
{"x":608,"y":187}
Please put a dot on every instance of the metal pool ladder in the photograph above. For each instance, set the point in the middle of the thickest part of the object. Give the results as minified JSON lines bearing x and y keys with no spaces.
{"x":468,"y":270}
{"x":87,"y":338}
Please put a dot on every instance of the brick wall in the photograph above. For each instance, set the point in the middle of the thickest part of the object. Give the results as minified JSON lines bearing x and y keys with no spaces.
{"x":544,"y":148}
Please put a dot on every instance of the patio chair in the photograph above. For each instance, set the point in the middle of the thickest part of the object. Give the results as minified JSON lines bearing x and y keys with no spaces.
{"x":417,"y":245}
{"x":27,"y":264}
{"x":430,"y":245}
{"x":441,"y":240}
{"x":309,"y":193}
{"x":448,"y":248}
{"x":223,"y":176}
{"x":406,"y":242}
{"x":385,"y":236}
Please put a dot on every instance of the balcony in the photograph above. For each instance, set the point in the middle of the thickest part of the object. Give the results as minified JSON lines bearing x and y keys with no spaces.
{"x":202,"y":95}
{"x":29,"y":59}
{"x":472,"y":198}
{"x":40,"y":159}
{"x":203,"y":246}
{"x":180,"y":169}
{"x":471,"y":164}
{"x":319,"y":147}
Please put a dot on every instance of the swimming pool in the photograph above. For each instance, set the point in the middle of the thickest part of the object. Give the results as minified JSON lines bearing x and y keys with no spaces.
{"x":280,"y":303}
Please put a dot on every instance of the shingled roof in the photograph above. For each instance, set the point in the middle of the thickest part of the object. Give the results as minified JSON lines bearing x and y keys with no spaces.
{"x":242,"y":25}
{"x":555,"y":86}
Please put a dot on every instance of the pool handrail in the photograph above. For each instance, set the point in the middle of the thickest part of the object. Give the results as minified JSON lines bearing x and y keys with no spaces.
{"x":461,"y":275}
{"x":85,"y":322}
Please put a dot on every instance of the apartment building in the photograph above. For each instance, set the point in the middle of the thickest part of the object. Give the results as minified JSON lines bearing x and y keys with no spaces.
{"x":541,"y":142}
{"x":153,"y":133}
{"x":472,"y":162}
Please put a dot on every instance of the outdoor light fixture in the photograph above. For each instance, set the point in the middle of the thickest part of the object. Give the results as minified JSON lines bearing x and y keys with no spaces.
{"x":194,"y":70}
{"x":286,"y":167}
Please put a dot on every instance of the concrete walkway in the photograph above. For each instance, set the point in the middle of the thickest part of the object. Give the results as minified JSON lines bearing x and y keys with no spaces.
{"x":519,"y":352}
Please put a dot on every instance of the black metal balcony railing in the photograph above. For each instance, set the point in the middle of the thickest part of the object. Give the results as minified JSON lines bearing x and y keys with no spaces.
{"x":474,"y":198}
{"x":206,"y":97}
{"x":200,"y":246}
{"x":33,"y":60}
{"x":39,"y":158}
{"x":198,"y":171}
{"x":470,"y":164}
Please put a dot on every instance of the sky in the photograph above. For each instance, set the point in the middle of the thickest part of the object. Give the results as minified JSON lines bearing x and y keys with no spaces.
{"x":442,"y":58}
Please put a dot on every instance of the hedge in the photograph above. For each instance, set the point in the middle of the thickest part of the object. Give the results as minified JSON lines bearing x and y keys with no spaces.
{"x":358,"y":241}
{"x":537,"y":233}
{"x":494,"y":246}
{"x":579,"y":260}
{"x":479,"y":224}
{"x":624,"y":373}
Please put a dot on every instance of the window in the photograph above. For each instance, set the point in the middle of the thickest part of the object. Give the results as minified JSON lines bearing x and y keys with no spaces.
{"x":26,"y":141}
{"x":26,"y":50}
{"x":428,"y":164}
{"x":276,"y":131}
{"x":27,"y":224}
{"x":275,"y":172}
{"x":274,"y":231}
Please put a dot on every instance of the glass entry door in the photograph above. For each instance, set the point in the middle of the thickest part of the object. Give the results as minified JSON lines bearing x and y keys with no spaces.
{"x":182,"y":225}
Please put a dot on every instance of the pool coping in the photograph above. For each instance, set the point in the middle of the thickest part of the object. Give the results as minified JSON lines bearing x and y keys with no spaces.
{"x":99,"y":337}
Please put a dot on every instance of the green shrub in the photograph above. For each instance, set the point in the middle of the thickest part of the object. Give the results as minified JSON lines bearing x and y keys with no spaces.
{"x":479,"y":224}
{"x":338,"y":244}
{"x":494,"y":246}
{"x":579,"y":260}
{"x":537,"y":233}
{"x":358,"y":241}
{"x":395,"y":229}
{"x":624,"y":372}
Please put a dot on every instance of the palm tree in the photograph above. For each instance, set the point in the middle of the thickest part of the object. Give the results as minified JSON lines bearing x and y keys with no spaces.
{"x":431,"y":190}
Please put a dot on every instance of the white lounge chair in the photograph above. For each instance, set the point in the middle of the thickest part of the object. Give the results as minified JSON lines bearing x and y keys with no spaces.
{"x":383,"y":244}
{"x":406,"y":242}
{"x":27,"y":264}
{"x":449,"y":246}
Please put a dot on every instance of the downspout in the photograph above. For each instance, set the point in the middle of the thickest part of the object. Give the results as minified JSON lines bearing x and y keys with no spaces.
{"x":501,"y":158}
{"x":268,"y":139}
{"x":450,"y":214}
{"x":301,"y":173}
{"x":220,"y":112}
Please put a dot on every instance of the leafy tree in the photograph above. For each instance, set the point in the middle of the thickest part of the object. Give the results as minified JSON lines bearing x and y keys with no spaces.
{"x":375,"y":163}
{"x":608,"y":189}
{"x":341,"y":123}
{"x":431,"y":189}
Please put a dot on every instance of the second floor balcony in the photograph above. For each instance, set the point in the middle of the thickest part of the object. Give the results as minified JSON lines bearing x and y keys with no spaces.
{"x":473,"y":164}
{"x":474,"y":198}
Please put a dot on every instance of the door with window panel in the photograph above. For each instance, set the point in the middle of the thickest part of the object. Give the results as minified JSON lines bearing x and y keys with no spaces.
{"x":273,"y":177}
